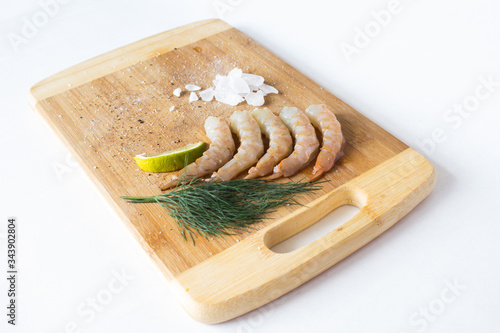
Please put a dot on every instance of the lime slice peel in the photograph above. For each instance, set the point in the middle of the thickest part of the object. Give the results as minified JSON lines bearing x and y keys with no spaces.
{"x":171,"y":160}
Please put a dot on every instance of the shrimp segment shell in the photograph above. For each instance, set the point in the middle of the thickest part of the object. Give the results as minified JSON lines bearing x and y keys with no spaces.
{"x":280,"y":142}
{"x":250,"y":149}
{"x":333,"y":140}
{"x":306,"y":143}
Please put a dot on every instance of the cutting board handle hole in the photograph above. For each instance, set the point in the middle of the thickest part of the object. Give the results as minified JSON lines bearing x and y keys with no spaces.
{"x":334,"y":220}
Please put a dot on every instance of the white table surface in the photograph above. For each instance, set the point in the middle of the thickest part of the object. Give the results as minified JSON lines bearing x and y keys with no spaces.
{"x":437,"y":270}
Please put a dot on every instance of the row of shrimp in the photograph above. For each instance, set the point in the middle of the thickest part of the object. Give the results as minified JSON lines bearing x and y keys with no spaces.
{"x":293,"y":144}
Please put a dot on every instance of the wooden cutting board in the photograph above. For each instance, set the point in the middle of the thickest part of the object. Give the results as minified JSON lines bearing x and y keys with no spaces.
{"x":115,"y":106}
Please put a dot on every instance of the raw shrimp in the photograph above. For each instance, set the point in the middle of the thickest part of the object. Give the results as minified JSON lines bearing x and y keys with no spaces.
{"x":251,"y":146}
{"x":280,"y":142}
{"x":333,"y":140}
{"x":220,"y":152}
{"x":306,"y":143}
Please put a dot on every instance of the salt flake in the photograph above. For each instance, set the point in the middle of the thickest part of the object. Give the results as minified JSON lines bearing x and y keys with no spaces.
{"x":207,"y":95}
{"x":228,"y":97}
{"x":267,"y":89}
{"x":252,"y":79}
{"x":235,"y":73}
{"x":255,"y":99}
{"x":239,"y":86}
{"x":192,"y":87}
{"x":193,"y":97}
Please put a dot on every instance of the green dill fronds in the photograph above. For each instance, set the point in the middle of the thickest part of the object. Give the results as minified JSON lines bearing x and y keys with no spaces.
{"x":223,"y":208}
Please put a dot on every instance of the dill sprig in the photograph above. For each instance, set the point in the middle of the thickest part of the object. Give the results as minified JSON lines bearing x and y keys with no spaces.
{"x":223,"y":208}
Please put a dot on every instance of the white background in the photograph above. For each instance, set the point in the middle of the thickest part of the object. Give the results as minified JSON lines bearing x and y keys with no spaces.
{"x":442,"y":259}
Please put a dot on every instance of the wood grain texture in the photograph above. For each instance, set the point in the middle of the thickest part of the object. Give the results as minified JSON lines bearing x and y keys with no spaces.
{"x":115,"y":106}
{"x":251,"y":274}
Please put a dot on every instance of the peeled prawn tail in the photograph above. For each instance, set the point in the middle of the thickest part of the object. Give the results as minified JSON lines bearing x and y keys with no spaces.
{"x":173,"y":183}
{"x":169,"y":185}
{"x":317,"y":173}
{"x":215,"y":177}
{"x":176,"y":181}
{"x":252,"y":173}
{"x":318,"y":170}
{"x":275,"y":175}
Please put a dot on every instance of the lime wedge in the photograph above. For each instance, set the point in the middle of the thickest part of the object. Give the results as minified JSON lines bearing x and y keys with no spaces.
{"x":170,"y":160}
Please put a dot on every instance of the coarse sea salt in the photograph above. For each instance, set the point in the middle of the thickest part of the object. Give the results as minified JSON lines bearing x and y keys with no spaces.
{"x":192,"y":87}
{"x":235,"y":88}
{"x":255,"y":98}
{"x":207,"y":95}
{"x":252,"y":79}
{"x":177,"y":92}
{"x":228,"y":97}
{"x":193,"y":97}
{"x":267,"y":89}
